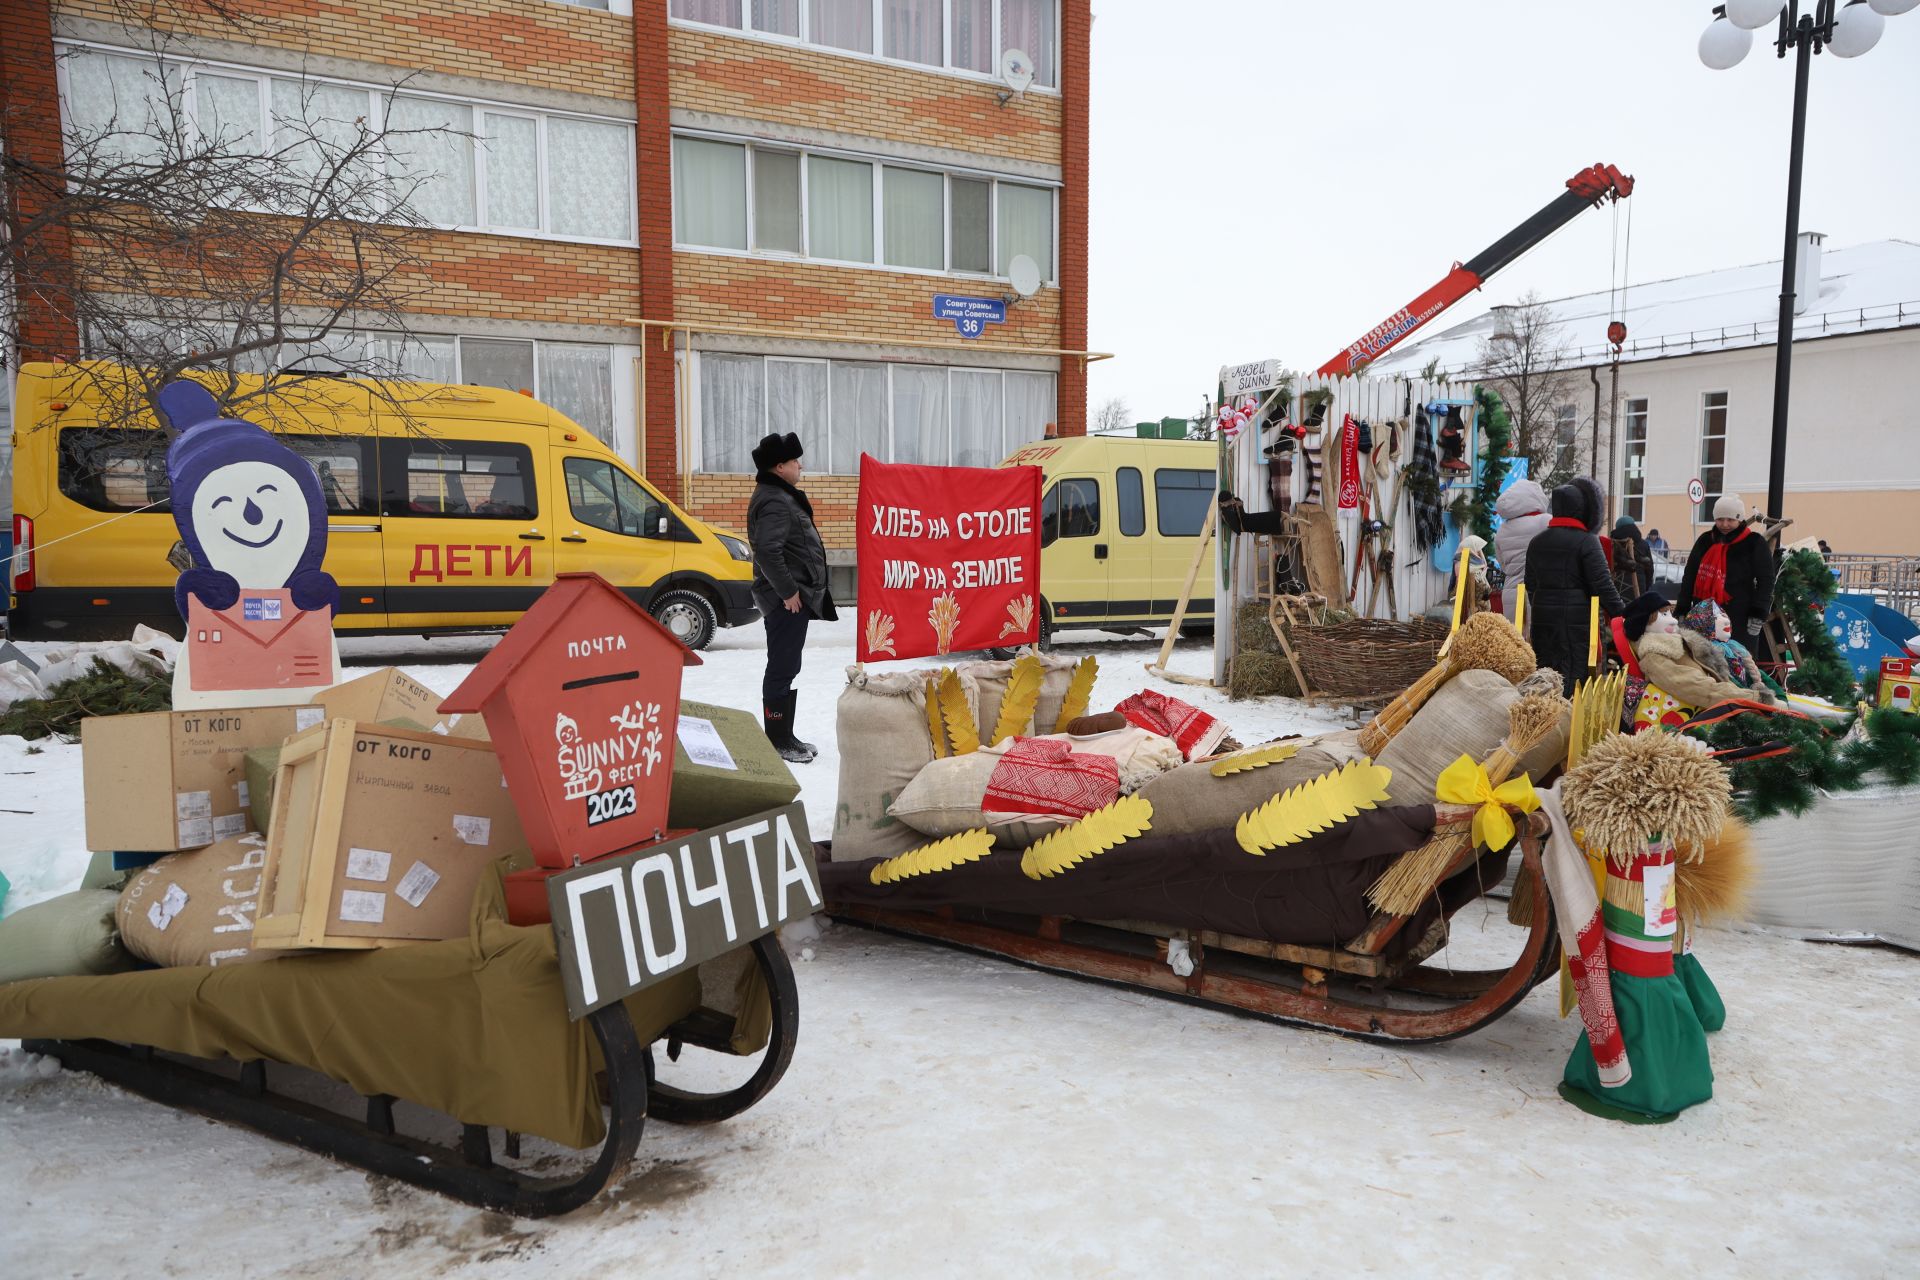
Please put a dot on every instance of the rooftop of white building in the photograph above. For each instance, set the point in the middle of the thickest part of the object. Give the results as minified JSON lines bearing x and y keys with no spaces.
{"x":1862,"y":288}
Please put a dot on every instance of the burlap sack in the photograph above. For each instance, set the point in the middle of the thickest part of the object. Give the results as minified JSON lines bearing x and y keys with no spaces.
{"x":881,"y":729}
{"x":1056,"y":675}
{"x":197,"y":907}
{"x":1190,"y":799}
{"x":1466,"y":716}
{"x":67,"y":935}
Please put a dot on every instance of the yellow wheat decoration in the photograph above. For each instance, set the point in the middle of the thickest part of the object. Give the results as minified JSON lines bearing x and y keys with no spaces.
{"x":1597,"y":704}
{"x":1019,"y":617}
{"x":1098,"y":832}
{"x":1259,"y":758}
{"x":941,"y":855}
{"x":935,"y":729}
{"x":1023,"y":692}
{"x":879,"y":632}
{"x":1313,"y":807}
{"x":1079,"y":693}
{"x":944,"y":616}
{"x":961,"y":731}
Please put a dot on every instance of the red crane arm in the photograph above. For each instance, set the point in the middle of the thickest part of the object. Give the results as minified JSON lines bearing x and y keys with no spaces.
{"x":1585,"y":189}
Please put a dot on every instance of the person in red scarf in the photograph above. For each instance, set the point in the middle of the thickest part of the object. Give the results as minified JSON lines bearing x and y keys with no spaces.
{"x":1732,"y":567}
{"x":1566,"y":570}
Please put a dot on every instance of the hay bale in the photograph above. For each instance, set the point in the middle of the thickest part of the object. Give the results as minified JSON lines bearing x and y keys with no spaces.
{"x":1261,"y":675}
{"x":1251,"y":632}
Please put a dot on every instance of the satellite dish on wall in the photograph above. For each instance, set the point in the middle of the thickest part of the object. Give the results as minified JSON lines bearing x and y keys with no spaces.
{"x":1023,"y":273}
{"x":1016,"y":72}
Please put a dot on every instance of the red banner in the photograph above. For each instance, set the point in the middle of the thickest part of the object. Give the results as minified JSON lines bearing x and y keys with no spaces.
{"x":949,"y":559}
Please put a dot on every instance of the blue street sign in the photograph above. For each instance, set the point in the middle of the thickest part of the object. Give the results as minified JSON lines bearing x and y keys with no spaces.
{"x":969,"y":315}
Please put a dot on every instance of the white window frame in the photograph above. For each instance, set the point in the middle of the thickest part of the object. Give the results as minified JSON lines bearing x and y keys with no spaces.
{"x":1634,"y":505}
{"x":1703,"y":513}
{"x":697,"y":409}
{"x":880,"y":163}
{"x":191,"y":68}
{"x":746,"y":31}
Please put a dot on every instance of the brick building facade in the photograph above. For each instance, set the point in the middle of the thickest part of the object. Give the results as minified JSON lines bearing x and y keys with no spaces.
{"x":686,"y":222}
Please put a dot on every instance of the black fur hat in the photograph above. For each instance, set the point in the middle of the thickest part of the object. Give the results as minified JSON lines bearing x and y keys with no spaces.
{"x":1639,"y":612}
{"x":775,"y":449}
{"x":1596,"y":502}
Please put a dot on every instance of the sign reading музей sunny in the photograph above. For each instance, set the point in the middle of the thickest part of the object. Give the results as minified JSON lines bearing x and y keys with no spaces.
{"x":949,"y":559}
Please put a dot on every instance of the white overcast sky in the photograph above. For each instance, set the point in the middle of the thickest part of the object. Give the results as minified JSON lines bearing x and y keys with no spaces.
{"x":1271,"y":178}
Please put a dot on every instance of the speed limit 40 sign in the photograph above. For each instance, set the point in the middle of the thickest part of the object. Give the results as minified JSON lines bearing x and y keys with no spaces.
{"x":1696,"y":492}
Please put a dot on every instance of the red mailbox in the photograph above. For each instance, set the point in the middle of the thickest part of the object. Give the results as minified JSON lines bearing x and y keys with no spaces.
{"x":582,"y":700}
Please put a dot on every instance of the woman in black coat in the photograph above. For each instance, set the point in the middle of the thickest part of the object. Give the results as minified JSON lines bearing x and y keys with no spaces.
{"x":1565,"y":571}
{"x":1732,"y":566}
{"x":789,"y":581}
{"x":1636,"y":568}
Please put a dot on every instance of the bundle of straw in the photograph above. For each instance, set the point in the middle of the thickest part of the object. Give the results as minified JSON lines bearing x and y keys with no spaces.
{"x":1417,"y":873}
{"x":1484,"y":642}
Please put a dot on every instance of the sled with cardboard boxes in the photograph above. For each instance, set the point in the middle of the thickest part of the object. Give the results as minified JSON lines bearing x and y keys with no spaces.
{"x":493,"y":906}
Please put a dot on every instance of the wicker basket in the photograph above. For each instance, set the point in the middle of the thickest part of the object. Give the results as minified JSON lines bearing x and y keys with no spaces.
{"x":1367,"y":657}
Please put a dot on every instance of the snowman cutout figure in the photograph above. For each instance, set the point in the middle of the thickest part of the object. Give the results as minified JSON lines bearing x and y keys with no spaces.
{"x":258,"y":607}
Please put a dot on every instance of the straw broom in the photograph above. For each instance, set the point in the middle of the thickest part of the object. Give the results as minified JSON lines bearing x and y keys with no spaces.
{"x":1415,"y":874}
{"x":1484,"y":642}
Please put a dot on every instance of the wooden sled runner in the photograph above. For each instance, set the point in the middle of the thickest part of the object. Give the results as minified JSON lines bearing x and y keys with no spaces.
{"x":475,"y":1172}
{"x":1356,"y":990}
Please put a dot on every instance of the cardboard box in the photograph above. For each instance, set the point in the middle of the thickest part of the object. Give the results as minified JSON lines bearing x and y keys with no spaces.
{"x":1900,"y":684}
{"x":471,"y":726}
{"x":262,"y":763}
{"x":379,"y":836}
{"x":724,"y":767}
{"x":384,"y":695}
{"x":161,"y":781}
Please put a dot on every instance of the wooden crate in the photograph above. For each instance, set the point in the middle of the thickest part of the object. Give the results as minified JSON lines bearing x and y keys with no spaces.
{"x":350,"y":799}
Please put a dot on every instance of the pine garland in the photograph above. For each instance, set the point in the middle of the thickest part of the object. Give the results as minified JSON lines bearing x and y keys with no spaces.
{"x":104,"y":691}
{"x":1802,"y":590}
{"x":1496,"y":439}
{"x":1887,"y":749}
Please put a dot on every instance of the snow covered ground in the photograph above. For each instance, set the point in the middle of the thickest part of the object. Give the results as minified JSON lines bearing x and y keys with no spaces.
{"x":948,"y":1114}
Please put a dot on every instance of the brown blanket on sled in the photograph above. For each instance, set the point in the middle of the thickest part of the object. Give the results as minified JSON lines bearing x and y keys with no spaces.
{"x":1309,"y":894}
{"x":476,"y":1027}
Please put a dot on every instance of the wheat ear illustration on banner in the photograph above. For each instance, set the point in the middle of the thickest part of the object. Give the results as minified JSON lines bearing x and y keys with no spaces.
{"x":944,"y":617}
{"x":880,"y":632}
{"x":1019,"y":617}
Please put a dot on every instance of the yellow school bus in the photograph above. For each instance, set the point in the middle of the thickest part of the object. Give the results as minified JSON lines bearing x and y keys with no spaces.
{"x":1120,"y":518}
{"x":449,"y":508}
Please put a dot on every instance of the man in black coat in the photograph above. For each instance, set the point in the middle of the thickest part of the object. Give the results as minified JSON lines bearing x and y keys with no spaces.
{"x":1638,"y":565}
{"x":1732,"y":566}
{"x":789,"y":581}
{"x":1565,"y":570}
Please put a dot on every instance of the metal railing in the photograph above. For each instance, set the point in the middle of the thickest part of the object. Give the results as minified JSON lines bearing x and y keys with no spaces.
{"x":1893,"y":581}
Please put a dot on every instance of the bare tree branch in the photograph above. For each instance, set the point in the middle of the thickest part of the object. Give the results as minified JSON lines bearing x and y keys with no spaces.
{"x":1528,"y":362}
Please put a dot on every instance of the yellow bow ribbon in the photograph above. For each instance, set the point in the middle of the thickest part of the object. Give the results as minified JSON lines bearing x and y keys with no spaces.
{"x":1465,"y":782}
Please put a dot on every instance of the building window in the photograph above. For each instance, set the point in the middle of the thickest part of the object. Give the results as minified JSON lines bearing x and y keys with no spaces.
{"x":1713,"y":452}
{"x":839,"y":209}
{"x":1633,"y":463}
{"x":952,"y":35}
{"x":737,"y":196}
{"x":459,"y":165}
{"x":841,"y":409}
{"x":1566,"y":439}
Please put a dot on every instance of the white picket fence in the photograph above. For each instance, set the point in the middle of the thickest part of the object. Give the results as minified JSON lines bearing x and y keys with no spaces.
{"x":1418,"y":586}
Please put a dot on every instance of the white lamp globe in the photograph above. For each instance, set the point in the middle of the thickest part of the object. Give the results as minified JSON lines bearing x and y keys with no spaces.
{"x":1723,"y":45}
{"x":1891,"y":8}
{"x":1751,"y":15}
{"x":1856,"y":30}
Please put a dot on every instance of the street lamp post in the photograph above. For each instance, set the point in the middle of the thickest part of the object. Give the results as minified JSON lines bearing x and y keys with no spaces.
{"x":1847,"y":30}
